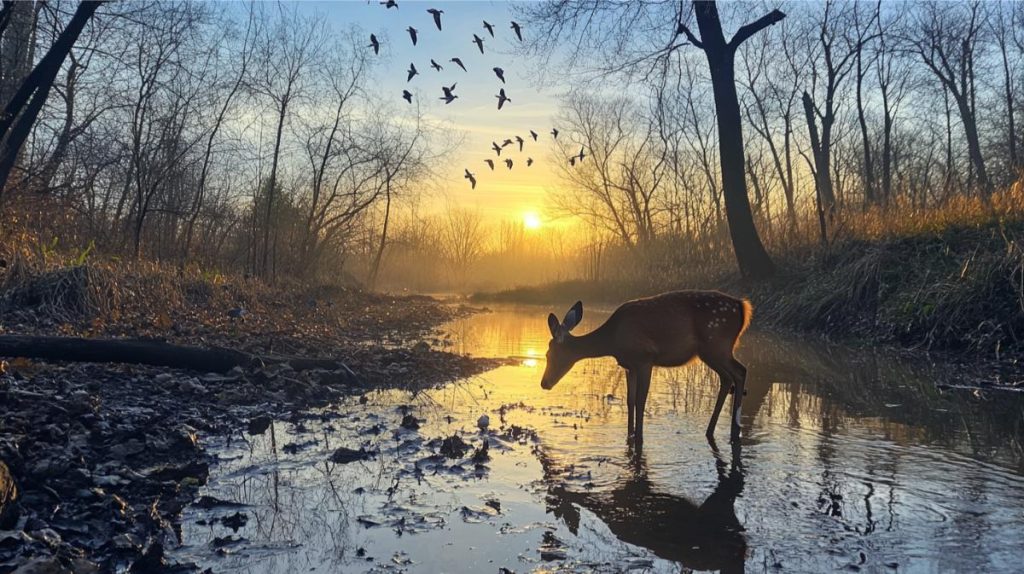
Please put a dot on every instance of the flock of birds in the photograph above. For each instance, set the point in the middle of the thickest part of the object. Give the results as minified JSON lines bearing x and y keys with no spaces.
{"x":448,"y":92}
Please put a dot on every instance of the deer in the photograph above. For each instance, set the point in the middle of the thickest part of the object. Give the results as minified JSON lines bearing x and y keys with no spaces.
{"x":667,"y":330}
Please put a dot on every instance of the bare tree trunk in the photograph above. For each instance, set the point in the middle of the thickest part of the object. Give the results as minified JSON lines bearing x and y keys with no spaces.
{"x":754,"y":261}
{"x":271,"y":189}
{"x":379,"y":256}
{"x":869,"y":168}
{"x":819,"y":181}
{"x":22,"y":110}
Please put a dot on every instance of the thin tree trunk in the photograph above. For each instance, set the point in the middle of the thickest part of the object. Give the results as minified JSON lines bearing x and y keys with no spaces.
{"x":869,"y":169}
{"x":264,"y":269}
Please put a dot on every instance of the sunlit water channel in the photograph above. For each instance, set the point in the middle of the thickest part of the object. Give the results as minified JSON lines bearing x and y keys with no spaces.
{"x":851,"y":460}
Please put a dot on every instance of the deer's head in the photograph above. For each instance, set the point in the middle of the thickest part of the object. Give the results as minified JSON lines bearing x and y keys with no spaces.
{"x":560,"y":356}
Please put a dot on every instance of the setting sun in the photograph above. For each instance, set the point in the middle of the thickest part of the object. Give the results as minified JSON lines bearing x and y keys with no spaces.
{"x":531,"y":220}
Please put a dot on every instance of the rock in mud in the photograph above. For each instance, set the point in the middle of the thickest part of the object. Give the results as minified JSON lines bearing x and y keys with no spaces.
{"x":8,"y":497}
{"x":235,"y":521}
{"x":259,"y":424}
{"x":454,"y":447}
{"x":346,"y":455}
{"x":410,"y":422}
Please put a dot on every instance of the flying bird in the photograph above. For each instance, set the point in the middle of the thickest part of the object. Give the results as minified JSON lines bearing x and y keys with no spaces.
{"x":437,"y":16}
{"x":489,"y":27}
{"x":529,"y":161}
{"x":507,"y":142}
{"x":374,"y":44}
{"x":412,"y":71}
{"x":500,"y":73}
{"x":490,"y":163}
{"x":448,"y":96}
{"x":581,"y":153}
{"x":496,"y":148}
{"x":389,"y":4}
{"x":435,"y":65}
{"x":508,"y":162}
{"x":471,"y":178}
{"x":407,"y":95}
{"x":518,"y":30}
{"x":412,"y":34}
{"x":459,"y":62}
{"x":502,"y":98}
{"x":572,"y":160}
{"x":533,"y":135}
{"x":520,"y":141}
{"x":554,"y":133}
{"x":479,"y":42}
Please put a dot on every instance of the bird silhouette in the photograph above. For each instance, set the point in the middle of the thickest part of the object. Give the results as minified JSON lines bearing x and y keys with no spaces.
{"x":435,"y":65}
{"x":581,"y":153}
{"x":412,"y":71}
{"x":437,"y":16}
{"x":412,"y":34}
{"x":500,"y":73}
{"x":489,"y":27}
{"x":529,"y":161}
{"x":490,"y":163}
{"x":518,"y":30}
{"x":520,"y":141}
{"x":407,"y":95}
{"x":572,"y":160}
{"x":502,"y":98}
{"x":533,"y":135}
{"x":448,"y":96}
{"x":459,"y":62}
{"x":389,"y":4}
{"x":479,"y":42}
{"x":471,"y":178}
{"x":508,"y":162}
{"x":496,"y":148}
{"x":374,"y":44}
{"x":554,"y":133}
{"x":507,"y":142}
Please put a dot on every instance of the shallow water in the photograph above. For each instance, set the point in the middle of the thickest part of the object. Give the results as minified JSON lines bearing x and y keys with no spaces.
{"x":851,"y":459}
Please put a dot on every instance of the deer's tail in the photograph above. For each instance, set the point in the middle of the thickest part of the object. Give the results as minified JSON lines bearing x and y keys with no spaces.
{"x":747,"y":311}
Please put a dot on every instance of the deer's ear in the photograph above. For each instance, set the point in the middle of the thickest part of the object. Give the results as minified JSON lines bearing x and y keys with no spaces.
{"x":573,"y":317}
{"x":553,"y":324}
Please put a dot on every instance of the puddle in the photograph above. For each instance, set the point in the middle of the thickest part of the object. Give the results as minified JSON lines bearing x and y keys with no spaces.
{"x":851,"y":460}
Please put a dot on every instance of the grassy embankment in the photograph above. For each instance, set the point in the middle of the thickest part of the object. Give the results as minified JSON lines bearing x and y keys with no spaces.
{"x":949,"y":279}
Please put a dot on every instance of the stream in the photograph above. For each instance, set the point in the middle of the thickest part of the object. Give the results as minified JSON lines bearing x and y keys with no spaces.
{"x":851,"y":459}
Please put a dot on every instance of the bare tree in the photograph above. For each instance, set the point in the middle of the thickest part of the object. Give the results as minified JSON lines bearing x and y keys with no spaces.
{"x":285,"y":52}
{"x":946,"y":40}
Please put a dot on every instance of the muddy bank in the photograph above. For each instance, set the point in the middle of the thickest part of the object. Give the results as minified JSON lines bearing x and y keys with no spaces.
{"x":104,"y":457}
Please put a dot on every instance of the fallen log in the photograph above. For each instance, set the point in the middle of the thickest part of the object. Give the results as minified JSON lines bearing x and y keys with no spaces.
{"x":149,"y":352}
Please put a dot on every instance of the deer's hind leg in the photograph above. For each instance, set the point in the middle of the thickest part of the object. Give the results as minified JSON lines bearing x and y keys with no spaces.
{"x":732,"y":375}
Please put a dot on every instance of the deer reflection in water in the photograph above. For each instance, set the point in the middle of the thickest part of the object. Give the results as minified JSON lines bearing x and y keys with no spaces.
{"x":701,"y":536}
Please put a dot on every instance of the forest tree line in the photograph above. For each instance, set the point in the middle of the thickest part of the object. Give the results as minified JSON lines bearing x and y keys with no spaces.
{"x":250,"y":138}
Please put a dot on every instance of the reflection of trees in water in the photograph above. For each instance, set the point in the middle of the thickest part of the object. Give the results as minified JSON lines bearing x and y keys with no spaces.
{"x":703,"y":535}
{"x":305,"y":506}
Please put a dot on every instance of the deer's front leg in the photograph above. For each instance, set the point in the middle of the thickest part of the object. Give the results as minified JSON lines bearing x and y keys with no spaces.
{"x":630,"y":402}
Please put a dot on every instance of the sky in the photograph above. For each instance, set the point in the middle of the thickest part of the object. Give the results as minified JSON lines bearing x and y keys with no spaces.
{"x":501,"y":193}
